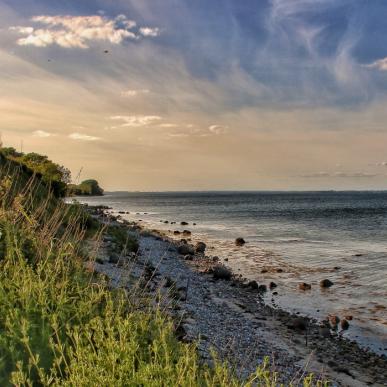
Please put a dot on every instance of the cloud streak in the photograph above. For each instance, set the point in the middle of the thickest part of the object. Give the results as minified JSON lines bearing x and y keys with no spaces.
{"x":135,"y":121}
{"x":83,"y":137}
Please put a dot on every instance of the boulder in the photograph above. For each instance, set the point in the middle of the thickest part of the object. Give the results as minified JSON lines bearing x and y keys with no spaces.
{"x":326,"y":283}
{"x":200,"y":247}
{"x":239,"y":242}
{"x":344,"y":324}
{"x":333,"y":320}
{"x":186,"y":249}
{"x":262,"y":288}
{"x":299,"y":323}
{"x":272,"y":285}
{"x":222,"y":272}
{"x":253,"y":285}
{"x":176,"y":232}
{"x":304,"y":286}
{"x":184,"y":223}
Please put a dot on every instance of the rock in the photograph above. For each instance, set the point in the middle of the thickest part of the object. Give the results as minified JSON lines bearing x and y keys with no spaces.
{"x":166,"y":222}
{"x":326,"y":283}
{"x":239,"y":242}
{"x":264,"y":271}
{"x":194,"y":224}
{"x":176,"y":232}
{"x":222,"y":272}
{"x":184,"y":223}
{"x":348,"y":317}
{"x":304,"y":286}
{"x":299,"y":323}
{"x":324,"y":332}
{"x":114,"y":258}
{"x":344,"y":324}
{"x":187,"y":232}
{"x":279,"y":271}
{"x":99,"y":260}
{"x":253,"y":285}
{"x":262,"y":288}
{"x":200,"y":247}
{"x":188,"y":257}
{"x":275,"y":293}
{"x":185,"y":249}
{"x":333,"y":320}
{"x":215,"y":259}
{"x":272,"y":285}
{"x":226,"y":259}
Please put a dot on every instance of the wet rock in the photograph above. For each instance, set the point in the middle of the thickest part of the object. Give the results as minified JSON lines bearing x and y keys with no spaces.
{"x":253,"y":285}
{"x":304,"y":286}
{"x":215,"y":259}
{"x":187,"y":232}
{"x":222,"y":272}
{"x":176,"y":232}
{"x":200,"y":247}
{"x":272,"y":285}
{"x":299,"y":323}
{"x":188,"y":257}
{"x":326,"y":283}
{"x":279,"y":271}
{"x":333,"y":320}
{"x":344,"y":324}
{"x":166,"y":222}
{"x":239,"y":242}
{"x":262,"y":288}
{"x":226,"y":259}
{"x":264,"y":271}
{"x":186,"y":249}
{"x":114,"y":258}
{"x":184,"y":223}
{"x":275,"y":293}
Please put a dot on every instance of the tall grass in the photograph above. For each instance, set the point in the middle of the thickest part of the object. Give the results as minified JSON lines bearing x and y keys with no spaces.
{"x":61,"y":325}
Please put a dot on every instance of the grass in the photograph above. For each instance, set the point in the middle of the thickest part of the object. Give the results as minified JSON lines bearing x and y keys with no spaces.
{"x":61,"y":325}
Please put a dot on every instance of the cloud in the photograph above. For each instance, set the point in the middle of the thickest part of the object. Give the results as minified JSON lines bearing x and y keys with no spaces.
{"x":135,"y":121}
{"x":168,"y":125}
{"x":41,"y":134}
{"x":380,"y":164}
{"x":152,"y":32}
{"x":83,"y":137}
{"x":339,"y":175}
{"x":134,"y":93}
{"x":380,"y":64}
{"x":218,"y":129}
{"x":78,"y":31}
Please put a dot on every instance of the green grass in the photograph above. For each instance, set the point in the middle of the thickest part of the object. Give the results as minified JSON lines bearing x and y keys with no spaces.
{"x":61,"y":325}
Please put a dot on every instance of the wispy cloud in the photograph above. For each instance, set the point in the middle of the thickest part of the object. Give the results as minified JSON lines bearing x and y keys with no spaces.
{"x":135,"y":121}
{"x":148,"y":31}
{"x":380,"y":64}
{"x":78,"y":31}
{"x":41,"y":134}
{"x":134,"y":93}
{"x":83,"y":137}
{"x":167,"y":125}
{"x":218,"y":129}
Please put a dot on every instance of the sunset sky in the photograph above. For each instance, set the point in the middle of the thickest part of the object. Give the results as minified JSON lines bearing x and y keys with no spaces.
{"x":199,"y":94}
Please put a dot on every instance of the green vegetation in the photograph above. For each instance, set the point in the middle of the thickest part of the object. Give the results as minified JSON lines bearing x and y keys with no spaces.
{"x":62,"y":325}
{"x":87,"y":187}
{"x":53,"y":175}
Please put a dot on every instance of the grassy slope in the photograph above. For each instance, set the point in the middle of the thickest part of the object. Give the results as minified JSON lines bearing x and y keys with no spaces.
{"x":60,"y":324}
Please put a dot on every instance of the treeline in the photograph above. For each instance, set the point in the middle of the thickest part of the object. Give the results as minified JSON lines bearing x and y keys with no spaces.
{"x":55,"y":176}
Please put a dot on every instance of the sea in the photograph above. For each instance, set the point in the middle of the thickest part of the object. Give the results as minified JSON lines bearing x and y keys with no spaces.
{"x":291,"y":237}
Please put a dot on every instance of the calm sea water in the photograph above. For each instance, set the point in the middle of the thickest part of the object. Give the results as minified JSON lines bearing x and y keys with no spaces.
{"x":309,"y":235}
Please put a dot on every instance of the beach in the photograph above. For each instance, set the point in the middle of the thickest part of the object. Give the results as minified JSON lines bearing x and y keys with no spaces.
{"x":231,"y":314}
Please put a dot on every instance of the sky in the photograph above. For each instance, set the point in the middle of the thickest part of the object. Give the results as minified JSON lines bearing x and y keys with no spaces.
{"x":155,"y":95}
